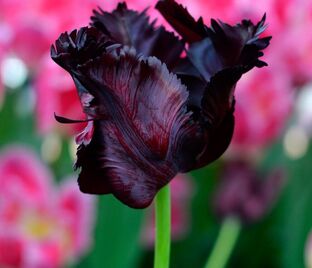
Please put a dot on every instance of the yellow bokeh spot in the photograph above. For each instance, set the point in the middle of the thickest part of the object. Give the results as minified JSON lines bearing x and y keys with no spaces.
{"x":39,"y":227}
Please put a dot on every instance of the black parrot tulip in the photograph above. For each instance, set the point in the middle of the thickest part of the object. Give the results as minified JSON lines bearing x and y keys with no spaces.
{"x":151,"y":112}
{"x":246,"y":194}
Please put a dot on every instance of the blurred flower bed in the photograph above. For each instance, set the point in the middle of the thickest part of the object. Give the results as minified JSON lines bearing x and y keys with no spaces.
{"x":263,"y":179}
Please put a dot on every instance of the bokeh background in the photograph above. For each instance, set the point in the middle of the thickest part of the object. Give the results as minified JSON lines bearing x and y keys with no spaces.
{"x":264,"y":179}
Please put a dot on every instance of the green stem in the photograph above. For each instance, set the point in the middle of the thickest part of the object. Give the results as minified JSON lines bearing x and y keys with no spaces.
{"x":225,"y":243}
{"x":163,"y":226}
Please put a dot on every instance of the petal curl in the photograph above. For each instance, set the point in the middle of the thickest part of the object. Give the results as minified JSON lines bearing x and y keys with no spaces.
{"x":74,"y":49}
{"x":219,"y":46}
{"x":217,"y":114}
{"x":217,"y":57}
{"x":136,"y":150}
{"x":131,"y":28}
{"x":181,"y":20}
{"x":227,"y":46}
{"x":77,"y":47}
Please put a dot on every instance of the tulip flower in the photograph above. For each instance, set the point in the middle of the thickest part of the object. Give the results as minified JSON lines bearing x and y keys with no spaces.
{"x":244,"y":194}
{"x":41,"y":224}
{"x":151,"y":112}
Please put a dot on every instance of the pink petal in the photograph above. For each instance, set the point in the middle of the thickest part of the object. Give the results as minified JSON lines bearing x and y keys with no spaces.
{"x":11,"y":251}
{"x":56,"y":93}
{"x":23,"y":176}
{"x":77,"y":212}
{"x":264,"y":102}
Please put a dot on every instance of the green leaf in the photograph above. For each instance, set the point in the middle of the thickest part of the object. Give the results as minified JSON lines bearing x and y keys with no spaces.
{"x":296,"y":218}
{"x":117,"y":234}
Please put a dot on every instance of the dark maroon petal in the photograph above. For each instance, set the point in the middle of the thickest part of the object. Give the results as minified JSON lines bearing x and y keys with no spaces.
{"x":78,"y":47}
{"x":133,"y":29}
{"x":65,"y":120}
{"x":222,"y":71}
{"x":218,"y":140}
{"x":239,"y":44}
{"x":93,"y":177}
{"x":196,"y":88}
{"x":245,"y":193}
{"x":218,"y":98}
{"x":220,"y":46}
{"x":217,"y":107}
{"x":141,"y":145}
{"x":223,"y":55}
{"x":227,"y":46}
{"x":75,"y":49}
{"x":179,"y":18}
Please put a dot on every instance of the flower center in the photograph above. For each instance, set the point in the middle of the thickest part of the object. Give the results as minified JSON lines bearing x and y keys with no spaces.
{"x":39,"y":228}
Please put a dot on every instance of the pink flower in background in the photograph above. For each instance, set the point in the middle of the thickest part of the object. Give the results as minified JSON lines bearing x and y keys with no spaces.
{"x":40,"y":225}
{"x":56,"y":93}
{"x":34,"y":24}
{"x":264,"y":102}
{"x":297,"y":58}
{"x":181,"y":194}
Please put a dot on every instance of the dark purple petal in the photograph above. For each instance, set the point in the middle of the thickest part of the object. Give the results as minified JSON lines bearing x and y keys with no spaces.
{"x":217,"y":141}
{"x":218,"y":98}
{"x":220,"y":46}
{"x":216,"y":59}
{"x":196,"y":87}
{"x":179,"y":18}
{"x":218,"y":56}
{"x":133,"y":29}
{"x":228,"y":46}
{"x":78,"y":47}
{"x":245,"y":193}
{"x":212,"y":106}
{"x":140,"y":145}
{"x":65,"y":120}
{"x":93,"y":177}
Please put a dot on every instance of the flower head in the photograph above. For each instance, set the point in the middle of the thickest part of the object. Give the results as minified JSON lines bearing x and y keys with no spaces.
{"x":264,"y":103}
{"x":153,"y":113}
{"x":40,"y":225}
{"x":244,"y":194}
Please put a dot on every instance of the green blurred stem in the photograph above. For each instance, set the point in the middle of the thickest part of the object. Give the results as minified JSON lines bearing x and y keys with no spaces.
{"x":163,"y":226}
{"x":225,"y":243}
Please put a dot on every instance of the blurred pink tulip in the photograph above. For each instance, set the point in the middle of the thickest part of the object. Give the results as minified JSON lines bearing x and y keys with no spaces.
{"x":35,"y":24}
{"x":181,"y":194}
{"x":297,"y":59}
{"x":40,"y":225}
{"x":264,"y":102}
